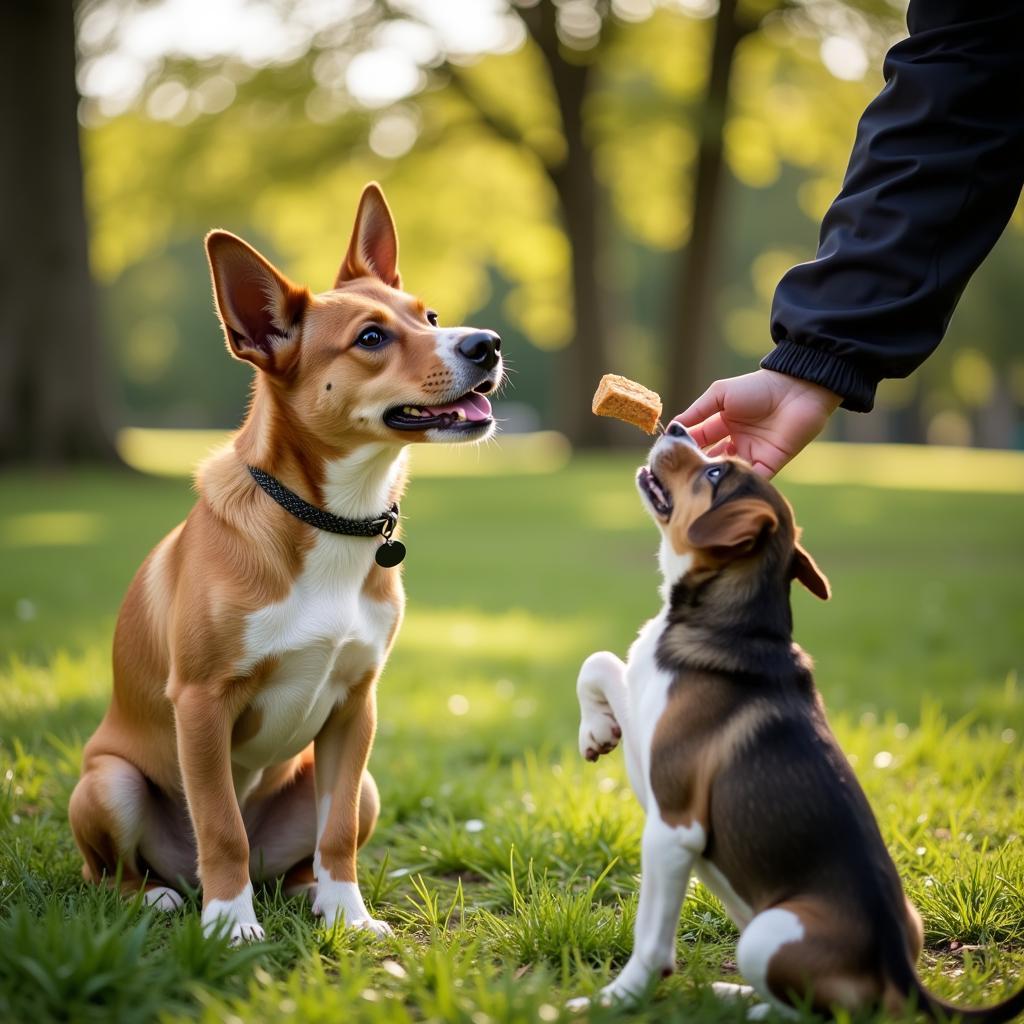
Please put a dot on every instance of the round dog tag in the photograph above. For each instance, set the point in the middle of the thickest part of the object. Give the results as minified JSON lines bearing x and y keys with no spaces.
{"x":390,"y":553}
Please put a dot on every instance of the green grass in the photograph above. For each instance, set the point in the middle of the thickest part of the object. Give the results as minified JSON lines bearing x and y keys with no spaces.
{"x":506,"y":865}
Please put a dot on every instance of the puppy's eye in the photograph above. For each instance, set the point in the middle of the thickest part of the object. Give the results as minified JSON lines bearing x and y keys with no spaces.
{"x":713,"y":474}
{"x":431,"y":318}
{"x":371,"y":337}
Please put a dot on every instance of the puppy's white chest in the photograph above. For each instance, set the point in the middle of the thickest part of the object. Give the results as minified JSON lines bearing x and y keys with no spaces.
{"x":322,"y":640}
{"x":648,"y":695}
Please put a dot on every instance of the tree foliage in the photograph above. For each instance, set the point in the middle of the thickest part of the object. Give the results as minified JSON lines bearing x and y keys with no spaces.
{"x":572,"y":234}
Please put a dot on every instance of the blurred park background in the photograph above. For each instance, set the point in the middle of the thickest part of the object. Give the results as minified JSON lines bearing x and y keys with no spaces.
{"x":611,"y":184}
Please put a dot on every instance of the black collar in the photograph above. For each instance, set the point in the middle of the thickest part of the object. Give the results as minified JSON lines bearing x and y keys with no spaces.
{"x":389,"y":554}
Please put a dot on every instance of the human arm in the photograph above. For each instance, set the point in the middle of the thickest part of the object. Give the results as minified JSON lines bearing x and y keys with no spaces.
{"x":934,"y":175}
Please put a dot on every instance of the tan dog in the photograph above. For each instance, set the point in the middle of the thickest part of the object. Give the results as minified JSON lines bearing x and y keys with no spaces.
{"x":730,"y":754}
{"x":250,"y":642}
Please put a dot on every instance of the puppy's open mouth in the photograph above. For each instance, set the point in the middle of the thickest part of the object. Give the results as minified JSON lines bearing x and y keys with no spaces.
{"x":655,"y":492}
{"x":470,"y":412}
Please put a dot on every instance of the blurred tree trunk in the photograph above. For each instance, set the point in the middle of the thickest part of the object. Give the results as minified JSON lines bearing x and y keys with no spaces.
{"x":585,"y":358}
{"x":689,"y":331}
{"x":50,"y":408}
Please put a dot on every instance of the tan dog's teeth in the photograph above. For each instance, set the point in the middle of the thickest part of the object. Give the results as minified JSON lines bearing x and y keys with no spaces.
{"x":461,"y":414}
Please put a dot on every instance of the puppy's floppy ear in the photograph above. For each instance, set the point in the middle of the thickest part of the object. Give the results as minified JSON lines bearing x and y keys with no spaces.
{"x":732,"y":528}
{"x":258,"y":306}
{"x":805,"y":570}
{"x":373,"y":249}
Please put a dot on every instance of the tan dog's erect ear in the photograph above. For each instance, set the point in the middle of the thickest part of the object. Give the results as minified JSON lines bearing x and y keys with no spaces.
{"x":807,"y":572}
{"x":732,"y":529}
{"x":373,"y":249}
{"x":257,"y":305}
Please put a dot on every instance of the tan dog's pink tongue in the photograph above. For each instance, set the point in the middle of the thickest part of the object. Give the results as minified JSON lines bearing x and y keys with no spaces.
{"x":475,"y":406}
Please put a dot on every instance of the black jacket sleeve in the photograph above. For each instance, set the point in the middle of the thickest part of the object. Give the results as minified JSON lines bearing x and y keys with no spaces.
{"x":935,"y":172}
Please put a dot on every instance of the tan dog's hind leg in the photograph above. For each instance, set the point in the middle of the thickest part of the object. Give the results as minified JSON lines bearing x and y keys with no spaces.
{"x":203,"y":724}
{"x":344,"y":820}
{"x":107,"y":812}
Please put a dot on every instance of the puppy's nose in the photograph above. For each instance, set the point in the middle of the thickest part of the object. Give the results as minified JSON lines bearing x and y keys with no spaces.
{"x":481,"y":347}
{"x":676,"y":429}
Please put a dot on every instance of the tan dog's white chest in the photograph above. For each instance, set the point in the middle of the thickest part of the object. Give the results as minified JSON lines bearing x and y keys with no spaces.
{"x":324,"y":638}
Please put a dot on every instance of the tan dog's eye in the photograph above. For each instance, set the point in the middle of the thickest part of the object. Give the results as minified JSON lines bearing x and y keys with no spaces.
{"x":431,"y":318}
{"x":713,"y":474}
{"x":372,"y":337}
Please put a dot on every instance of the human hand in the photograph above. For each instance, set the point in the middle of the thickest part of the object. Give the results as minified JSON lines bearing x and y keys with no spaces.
{"x":764,"y":417}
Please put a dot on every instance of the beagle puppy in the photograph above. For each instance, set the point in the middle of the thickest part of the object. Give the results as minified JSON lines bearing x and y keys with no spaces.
{"x":729,"y":751}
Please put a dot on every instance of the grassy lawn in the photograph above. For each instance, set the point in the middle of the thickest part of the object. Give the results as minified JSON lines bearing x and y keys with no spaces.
{"x":506,"y":865}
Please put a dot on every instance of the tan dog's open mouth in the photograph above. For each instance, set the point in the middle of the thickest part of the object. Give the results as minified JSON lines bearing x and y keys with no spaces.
{"x":469,"y":413}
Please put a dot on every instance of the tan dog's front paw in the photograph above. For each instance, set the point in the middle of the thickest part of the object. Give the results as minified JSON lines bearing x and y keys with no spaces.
{"x":236,"y":916}
{"x":599,"y":732}
{"x":249,"y":932}
{"x":372,"y":925}
{"x":342,"y":901}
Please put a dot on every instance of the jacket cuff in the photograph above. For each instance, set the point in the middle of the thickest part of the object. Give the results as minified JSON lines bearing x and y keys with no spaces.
{"x":830,"y":371}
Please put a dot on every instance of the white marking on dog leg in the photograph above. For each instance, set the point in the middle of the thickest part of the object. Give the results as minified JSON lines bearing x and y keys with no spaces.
{"x":332,"y":899}
{"x":238,"y":913}
{"x":342,"y":900}
{"x":667,"y":858}
{"x":162,"y":897}
{"x":713,"y":879}
{"x":761,"y":940}
{"x":323,"y":810}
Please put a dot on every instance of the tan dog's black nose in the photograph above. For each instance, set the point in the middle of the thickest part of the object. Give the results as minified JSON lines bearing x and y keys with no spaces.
{"x":676,"y":429}
{"x":481,"y":348}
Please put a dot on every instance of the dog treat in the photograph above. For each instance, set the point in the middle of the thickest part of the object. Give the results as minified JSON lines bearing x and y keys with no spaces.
{"x":628,"y":401}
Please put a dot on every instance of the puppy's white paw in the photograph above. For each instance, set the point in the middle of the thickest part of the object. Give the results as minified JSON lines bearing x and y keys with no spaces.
{"x":759,"y":1011}
{"x":618,"y":994}
{"x":730,"y":992}
{"x":163,"y":898}
{"x":599,"y":732}
{"x":578,"y":1005}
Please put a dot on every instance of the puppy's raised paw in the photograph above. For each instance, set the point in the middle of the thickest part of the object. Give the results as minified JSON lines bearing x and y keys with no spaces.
{"x":599,"y":733}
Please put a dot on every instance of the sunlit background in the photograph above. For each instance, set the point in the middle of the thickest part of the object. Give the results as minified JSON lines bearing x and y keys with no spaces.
{"x":614,"y":185}
{"x":268,"y":117}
